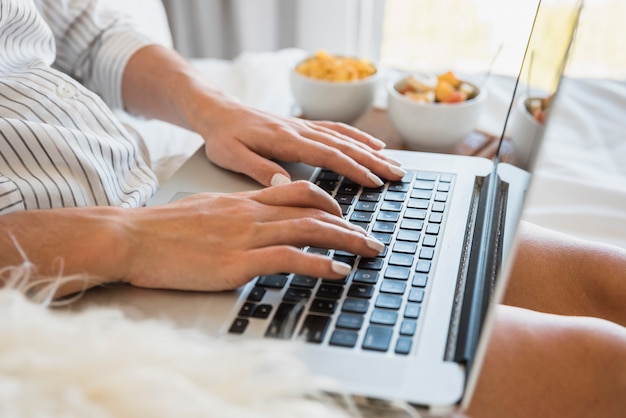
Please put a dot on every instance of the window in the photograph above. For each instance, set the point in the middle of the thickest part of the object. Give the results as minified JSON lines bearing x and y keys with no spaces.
{"x":467,"y":35}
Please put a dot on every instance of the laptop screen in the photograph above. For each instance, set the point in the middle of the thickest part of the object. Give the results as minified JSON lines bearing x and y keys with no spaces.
{"x":539,"y":78}
{"x":534,"y":94}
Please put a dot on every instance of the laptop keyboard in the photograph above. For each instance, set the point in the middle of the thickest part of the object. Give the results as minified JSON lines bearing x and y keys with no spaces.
{"x":377,"y":306}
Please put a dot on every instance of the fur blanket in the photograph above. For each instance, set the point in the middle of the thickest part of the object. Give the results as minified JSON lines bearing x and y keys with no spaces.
{"x":98,"y":363}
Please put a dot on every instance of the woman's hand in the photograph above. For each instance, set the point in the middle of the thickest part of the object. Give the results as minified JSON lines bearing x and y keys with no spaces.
{"x":218,"y":241}
{"x":159,"y":83}
{"x":248,"y":141}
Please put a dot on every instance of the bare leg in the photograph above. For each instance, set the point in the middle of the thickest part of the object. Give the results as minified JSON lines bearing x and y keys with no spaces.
{"x":559,"y":274}
{"x":565,"y":354}
{"x":544,"y":365}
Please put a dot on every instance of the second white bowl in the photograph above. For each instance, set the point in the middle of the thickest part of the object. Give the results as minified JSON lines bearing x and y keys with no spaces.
{"x":431,"y":126}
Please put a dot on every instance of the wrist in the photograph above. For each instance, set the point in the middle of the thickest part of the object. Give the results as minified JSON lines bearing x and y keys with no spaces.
{"x":88,"y":243}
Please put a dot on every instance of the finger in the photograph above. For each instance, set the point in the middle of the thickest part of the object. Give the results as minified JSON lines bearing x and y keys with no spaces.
{"x":300,"y":194}
{"x":301,"y":232}
{"x":272,"y":260}
{"x":242,"y":160}
{"x":345,"y":156}
{"x":351,"y":132}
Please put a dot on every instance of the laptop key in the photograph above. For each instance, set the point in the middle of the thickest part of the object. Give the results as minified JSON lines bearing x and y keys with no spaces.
{"x":408,"y":235}
{"x":391,"y":206}
{"x":377,"y":338}
{"x":323,"y":306}
{"x":343,"y":338}
{"x":355,"y":305}
{"x":314,"y":328}
{"x":361,"y":291}
{"x":262,"y":311}
{"x":383,"y":237}
{"x":415,"y":213}
{"x":427,"y":253}
{"x":344,"y":199}
{"x":371,"y":263}
{"x":296,"y":295}
{"x":304,"y":281}
{"x":408,"y":327}
{"x":247,"y":309}
{"x":429,"y":241}
{"x":328,"y":291}
{"x":419,"y":280}
{"x":364,"y":217}
{"x":399,"y":273}
{"x":393,"y":286}
{"x":400,"y":259}
{"x":365,"y":206}
{"x":405,"y":247}
{"x":416,"y":294}
{"x":315,"y":250}
{"x":422,"y":266}
{"x":350,"y":321}
{"x":398,"y":187}
{"x":256,"y":294}
{"x":388,"y":216}
{"x":412,"y":310}
{"x":403,"y":345}
{"x":239,"y":326}
{"x":439,"y":207}
{"x":383,"y":317}
{"x":284,"y":321}
{"x":385,"y":227}
{"x":365,"y":276}
{"x":419,"y":203}
{"x":276,"y":281}
{"x":388,"y":301}
{"x":370,"y":196}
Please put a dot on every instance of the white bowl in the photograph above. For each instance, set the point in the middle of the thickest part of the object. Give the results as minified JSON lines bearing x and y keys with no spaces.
{"x":432,"y":126}
{"x":340,"y":101}
{"x":525,"y":132}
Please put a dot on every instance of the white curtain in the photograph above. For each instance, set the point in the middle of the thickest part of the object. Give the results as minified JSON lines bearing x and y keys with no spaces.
{"x":225,"y":28}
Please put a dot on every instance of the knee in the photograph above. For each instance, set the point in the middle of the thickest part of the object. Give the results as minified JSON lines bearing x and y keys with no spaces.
{"x":549,"y":365}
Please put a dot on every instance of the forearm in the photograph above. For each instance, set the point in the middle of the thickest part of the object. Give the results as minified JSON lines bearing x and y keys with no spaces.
{"x":158,"y":83}
{"x":87,"y":242}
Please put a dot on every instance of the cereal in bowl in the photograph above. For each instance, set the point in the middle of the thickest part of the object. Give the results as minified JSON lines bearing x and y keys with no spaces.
{"x":324,"y":66}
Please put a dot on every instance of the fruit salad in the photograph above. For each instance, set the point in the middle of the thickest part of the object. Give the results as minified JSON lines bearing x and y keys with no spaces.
{"x":442,"y":88}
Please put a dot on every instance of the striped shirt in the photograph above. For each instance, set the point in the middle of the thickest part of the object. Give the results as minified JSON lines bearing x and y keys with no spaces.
{"x":61,"y":66}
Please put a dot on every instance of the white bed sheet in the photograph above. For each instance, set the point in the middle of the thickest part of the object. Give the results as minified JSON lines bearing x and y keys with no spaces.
{"x":580,"y":182}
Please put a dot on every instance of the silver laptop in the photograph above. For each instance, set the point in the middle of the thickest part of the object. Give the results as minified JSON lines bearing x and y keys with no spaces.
{"x":410,"y":325}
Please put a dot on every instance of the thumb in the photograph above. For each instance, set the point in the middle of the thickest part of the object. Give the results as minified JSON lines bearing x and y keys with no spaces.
{"x":260,"y":169}
{"x":266,"y":172}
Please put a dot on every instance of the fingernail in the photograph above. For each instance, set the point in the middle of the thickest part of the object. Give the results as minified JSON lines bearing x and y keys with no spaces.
{"x":398,"y":171}
{"x":278,"y":179}
{"x":392,"y":161}
{"x":375,"y":179}
{"x":381,"y":144}
{"x":341,"y":268}
{"x":374,"y":244}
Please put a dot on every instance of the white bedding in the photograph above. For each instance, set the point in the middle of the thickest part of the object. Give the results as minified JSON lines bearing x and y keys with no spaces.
{"x":580,"y":182}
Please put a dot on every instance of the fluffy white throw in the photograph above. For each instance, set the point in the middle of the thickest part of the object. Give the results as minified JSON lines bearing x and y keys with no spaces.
{"x":99,"y":364}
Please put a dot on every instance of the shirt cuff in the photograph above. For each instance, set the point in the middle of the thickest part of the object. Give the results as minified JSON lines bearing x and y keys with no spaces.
{"x":117,"y":49}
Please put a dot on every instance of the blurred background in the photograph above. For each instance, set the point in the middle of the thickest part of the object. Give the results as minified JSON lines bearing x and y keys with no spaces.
{"x":404,"y":34}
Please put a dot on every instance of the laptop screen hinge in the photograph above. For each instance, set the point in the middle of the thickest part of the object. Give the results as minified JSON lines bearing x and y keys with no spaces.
{"x":482,"y":259}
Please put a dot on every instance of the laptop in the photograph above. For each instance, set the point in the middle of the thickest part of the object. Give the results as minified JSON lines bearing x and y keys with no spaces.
{"x":412,"y":324}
